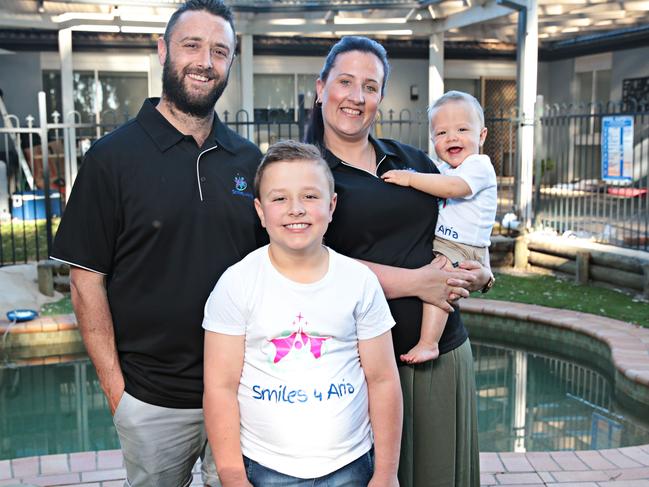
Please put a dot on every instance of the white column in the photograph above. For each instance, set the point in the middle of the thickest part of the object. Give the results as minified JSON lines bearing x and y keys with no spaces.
{"x":67,"y":100}
{"x":520,"y":400}
{"x":247,"y":87}
{"x":435,"y":73}
{"x":155,"y":76}
{"x":528,"y":43}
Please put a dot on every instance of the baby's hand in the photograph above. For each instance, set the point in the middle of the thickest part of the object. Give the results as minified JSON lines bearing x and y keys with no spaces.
{"x":397,"y":176}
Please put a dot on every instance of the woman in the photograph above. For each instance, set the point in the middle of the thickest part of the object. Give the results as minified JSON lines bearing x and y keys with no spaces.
{"x":392,"y":227}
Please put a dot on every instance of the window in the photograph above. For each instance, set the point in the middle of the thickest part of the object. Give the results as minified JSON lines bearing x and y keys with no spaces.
{"x":594,"y":86}
{"x":274,"y":97}
{"x":114,"y":97}
{"x":277,"y":96}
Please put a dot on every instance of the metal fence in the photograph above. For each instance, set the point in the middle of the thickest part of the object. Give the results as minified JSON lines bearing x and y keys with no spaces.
{"x":579,"y":191}
{"x":570,"y":194}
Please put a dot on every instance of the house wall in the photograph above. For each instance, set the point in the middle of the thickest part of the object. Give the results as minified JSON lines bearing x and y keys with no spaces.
{"x":20,"y":81}
{"x":631,"y":63}
{"x":556,"y":81}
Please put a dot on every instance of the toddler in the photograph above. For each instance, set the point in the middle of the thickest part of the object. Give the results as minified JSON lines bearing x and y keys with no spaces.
{"x":468,"y":185}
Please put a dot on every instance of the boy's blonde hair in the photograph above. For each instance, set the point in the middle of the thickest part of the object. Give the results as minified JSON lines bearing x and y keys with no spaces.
{"x":288,"y":151}
{"x":453,"y":95}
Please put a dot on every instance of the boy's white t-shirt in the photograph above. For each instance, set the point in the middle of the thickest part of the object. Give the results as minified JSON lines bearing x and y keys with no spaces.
{"x":469,"y":220}
{"x":302,"y":397}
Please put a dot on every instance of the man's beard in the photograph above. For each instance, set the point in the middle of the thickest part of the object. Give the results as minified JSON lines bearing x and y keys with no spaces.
{"x":175,"y":92}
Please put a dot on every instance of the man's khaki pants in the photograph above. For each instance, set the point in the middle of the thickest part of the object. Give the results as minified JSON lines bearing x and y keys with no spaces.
{"x":161,"y":445}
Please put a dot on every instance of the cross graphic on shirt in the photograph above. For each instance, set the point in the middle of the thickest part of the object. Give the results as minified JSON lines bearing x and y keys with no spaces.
{"x":299,"y":317}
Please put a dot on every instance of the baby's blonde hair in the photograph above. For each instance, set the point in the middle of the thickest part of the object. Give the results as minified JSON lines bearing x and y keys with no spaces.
{"x":453,"y":95}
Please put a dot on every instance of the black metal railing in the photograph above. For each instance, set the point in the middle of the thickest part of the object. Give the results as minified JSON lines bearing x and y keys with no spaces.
{"x":571,"y":194}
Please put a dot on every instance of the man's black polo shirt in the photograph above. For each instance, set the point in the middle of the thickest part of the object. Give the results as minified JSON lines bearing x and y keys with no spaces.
{"x":162,"y":219}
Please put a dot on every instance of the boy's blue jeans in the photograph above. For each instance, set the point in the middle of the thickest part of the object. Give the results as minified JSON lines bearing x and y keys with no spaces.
{"x":355,"y":474}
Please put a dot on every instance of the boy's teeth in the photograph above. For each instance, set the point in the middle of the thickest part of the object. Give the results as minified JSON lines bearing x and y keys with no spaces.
{"x":297,"y":225}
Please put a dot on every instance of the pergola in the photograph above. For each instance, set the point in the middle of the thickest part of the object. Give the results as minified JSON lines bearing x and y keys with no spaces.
{"x":525,"y":23}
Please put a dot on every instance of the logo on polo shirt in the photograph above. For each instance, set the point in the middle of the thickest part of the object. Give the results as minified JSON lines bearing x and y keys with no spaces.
{"x":240,"y":186}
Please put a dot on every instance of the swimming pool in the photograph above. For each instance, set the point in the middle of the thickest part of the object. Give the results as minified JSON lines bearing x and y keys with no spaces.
{"x":526,"y":402}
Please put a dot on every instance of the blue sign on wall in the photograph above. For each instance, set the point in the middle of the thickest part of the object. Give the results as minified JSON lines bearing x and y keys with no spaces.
{"x":617,"y":148}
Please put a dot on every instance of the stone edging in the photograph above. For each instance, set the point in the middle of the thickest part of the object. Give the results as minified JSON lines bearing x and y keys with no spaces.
{"x":628,"y":343}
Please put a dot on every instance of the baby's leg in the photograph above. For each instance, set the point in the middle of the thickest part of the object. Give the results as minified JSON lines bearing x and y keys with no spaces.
{"x":433,"y":323}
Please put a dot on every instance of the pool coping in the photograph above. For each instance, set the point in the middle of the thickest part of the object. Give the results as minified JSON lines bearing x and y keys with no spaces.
{"x":619,"y":467}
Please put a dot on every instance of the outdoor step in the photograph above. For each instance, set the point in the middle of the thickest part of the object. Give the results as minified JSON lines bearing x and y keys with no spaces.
{"x":62,"y":284}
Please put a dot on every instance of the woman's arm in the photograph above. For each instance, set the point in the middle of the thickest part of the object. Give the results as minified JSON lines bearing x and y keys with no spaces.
{"x":223,"y":364}
{"x":429,"y":283}
{"x":385,"y":404}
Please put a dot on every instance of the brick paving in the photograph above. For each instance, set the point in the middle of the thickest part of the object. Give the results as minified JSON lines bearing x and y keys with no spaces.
{"x":620,"y":467}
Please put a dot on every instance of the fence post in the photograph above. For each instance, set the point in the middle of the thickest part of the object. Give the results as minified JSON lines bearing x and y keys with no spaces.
{"x":521,"y":252}
{"x":301,"y":115}
{"x":42,"y":115}
{"x":645,"y":279}
{"x":583,"y":263}
{"x":539,"y":156}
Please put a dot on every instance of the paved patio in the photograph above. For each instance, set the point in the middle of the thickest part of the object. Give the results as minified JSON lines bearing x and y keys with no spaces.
{"x":621,"y":467}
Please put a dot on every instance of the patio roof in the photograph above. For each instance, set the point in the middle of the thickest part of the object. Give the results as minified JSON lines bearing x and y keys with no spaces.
{"x":460,"y":20}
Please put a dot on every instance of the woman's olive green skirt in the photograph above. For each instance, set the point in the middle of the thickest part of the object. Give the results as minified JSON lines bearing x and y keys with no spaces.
{"x":439,"y":445}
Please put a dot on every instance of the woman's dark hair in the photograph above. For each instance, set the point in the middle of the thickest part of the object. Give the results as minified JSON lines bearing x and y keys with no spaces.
{"x":315,"y":127}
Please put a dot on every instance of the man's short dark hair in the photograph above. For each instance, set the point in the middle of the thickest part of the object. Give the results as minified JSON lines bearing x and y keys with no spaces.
{"x":290,"y":151}
{"x":214,"y":7}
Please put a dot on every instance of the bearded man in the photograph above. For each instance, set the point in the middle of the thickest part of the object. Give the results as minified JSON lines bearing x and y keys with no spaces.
{"x":160,"y":208}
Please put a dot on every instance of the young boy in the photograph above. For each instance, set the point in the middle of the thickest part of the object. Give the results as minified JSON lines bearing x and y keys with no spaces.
{"x":299,"y":374}
{"x":468,"y":182}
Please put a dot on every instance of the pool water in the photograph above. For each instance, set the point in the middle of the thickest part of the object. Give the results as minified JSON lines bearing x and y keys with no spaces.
{"x":531,"y":402}
{"x":526,"y":402}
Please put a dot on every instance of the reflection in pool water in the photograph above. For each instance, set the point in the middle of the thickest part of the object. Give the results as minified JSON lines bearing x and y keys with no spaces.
{"x":526,"y":402}
{"x":532,"y":402}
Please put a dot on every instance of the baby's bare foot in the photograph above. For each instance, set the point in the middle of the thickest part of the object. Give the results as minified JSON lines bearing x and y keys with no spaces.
{"x":422,"y":352}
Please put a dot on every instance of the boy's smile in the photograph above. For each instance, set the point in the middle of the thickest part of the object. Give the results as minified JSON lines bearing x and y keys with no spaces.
{"x":456,"y":132}
{"x":295,"y":206}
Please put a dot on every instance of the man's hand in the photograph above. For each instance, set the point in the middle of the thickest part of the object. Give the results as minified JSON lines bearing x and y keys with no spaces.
{"x":88,"y":293}
{"x":114,"y":392}
{"x":398,"y":176}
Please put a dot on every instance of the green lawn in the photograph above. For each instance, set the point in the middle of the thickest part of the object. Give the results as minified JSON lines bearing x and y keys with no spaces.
{"x":60,"y":307}
{"x":558,"y":292}
{"x":23,"y":241}
{"x":532,"y":289}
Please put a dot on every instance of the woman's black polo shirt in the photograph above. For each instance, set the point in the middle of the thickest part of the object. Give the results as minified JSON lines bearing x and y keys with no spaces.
{"x":162,"y":219}
{"x":393,"y":225}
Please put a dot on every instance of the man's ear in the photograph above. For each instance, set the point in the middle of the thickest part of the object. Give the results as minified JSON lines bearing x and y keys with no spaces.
{"x":162,"y":51}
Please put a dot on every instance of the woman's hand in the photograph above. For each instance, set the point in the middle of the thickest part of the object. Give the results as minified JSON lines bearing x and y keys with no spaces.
{"x":441,"y":287}
{"x":481,"y":274}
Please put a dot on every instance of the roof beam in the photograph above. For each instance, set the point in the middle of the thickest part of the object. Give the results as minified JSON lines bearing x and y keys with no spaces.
{"x":473,"y":15}
{"x":307,"y":27}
